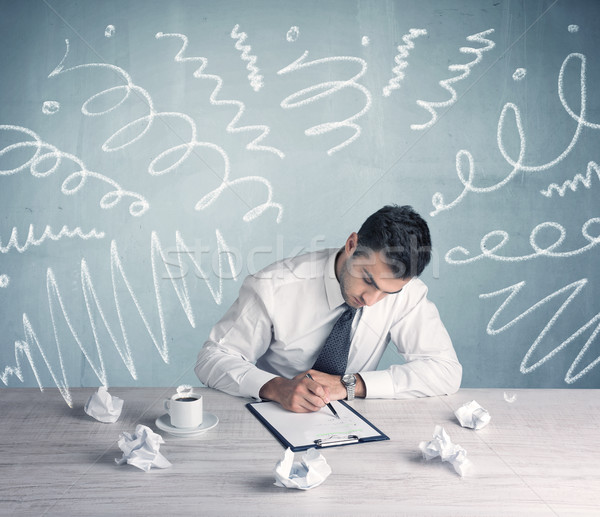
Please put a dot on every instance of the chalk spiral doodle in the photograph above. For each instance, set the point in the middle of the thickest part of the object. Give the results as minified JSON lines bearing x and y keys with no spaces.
{"x":489,"y":252}
{"x":143,"y":124}
{"x":517,"y":165}
{"x":74,"y":182}
{"x":301,"y":98}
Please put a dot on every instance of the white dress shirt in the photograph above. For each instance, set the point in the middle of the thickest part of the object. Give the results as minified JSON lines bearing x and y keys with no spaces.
{"x":284,"y":313}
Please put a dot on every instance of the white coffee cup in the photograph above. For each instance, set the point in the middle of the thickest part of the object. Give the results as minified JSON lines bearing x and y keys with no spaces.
{"x":185,"y":409}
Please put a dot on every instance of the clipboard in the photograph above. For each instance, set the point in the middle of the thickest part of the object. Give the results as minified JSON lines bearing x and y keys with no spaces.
{"x":302,"y":431}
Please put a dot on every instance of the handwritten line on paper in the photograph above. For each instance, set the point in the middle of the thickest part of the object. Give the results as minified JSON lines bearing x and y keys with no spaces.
{"x":400,"y":59}
{"x":518,"y":165}
{"x":574,"y":288}
{"x":31,"y":240}
{"x":548,"y":251}
{"x":465,"y":71}
{"x":45,"y":152}
{"x":98,"y":315}
{"x":256,"y":80}
{"x":301,"y":98}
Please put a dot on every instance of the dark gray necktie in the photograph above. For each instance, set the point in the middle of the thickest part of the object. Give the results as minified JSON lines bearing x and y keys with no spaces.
{"x":333,"y":357}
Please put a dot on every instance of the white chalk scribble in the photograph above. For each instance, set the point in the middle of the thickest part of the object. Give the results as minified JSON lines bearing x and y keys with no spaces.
{"x":464,"y":69}
{"x":578,"y":179}
{"x":518,"y":165}
{"x":109,"y":32}
{"x":45,"y":152}
{"x":302,"y":97}
{"x":50,"y":107}
{"x":573,"y":28}
{"x":574,"y":288}
{"x":4,"y":281}
{"x":293,"y":34}
{"x":519,"y":74}
{"x":400,"y":60}
{"x":489,"y":250}
{"x":48,"y":233}
{"x":256,"y":80}
{"x":122,"y":291}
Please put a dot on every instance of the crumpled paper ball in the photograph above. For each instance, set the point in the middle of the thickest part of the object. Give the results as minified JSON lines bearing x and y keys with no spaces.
{"x":472,"y":415}
{"x":103,"y":406}
{"x":442,"y":446}
{"x":308,"y":473}
{"x":141,"y":449}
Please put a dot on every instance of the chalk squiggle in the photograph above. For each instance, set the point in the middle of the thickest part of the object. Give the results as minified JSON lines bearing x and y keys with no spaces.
{"x":538,"y":251}
{"x":400,"y":59}
{"x":13,"y":242}
{"x":98,"y":316}
{"x":576,"y":288}
{"x":574,"y":183}
{"x":432,"y":106}
{"x":232,"y":126}
{"x":143,"y":124}
{"x":256,"y":80}
{"x":325,"y":89}
{"x":438,"y":198}
{"x":76,"y":180}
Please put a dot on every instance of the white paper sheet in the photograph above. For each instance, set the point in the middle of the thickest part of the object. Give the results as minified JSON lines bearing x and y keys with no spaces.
{"x":473,"y":415}
{"x":141,"y":449}
{"x":442,"y":446}
{"x":308,"y":473}
{"x":103,"y":406}
{"x":302,"y":429}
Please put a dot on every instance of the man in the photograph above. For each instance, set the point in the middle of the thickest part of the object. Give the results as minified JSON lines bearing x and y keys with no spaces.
{"x":331,"y":314}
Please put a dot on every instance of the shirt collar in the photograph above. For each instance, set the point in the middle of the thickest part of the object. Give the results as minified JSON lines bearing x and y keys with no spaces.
{"x":332,"y":286}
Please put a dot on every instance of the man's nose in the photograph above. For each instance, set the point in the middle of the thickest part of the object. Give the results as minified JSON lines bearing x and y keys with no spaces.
{"x":372,"y":296}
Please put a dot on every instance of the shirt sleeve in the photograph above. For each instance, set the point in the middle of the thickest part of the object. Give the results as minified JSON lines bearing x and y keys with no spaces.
{"x":227,"y":360}
{"x":431,"y":366}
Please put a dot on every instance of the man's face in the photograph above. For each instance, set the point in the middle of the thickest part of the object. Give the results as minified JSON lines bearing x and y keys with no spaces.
{"x":365,"y":280}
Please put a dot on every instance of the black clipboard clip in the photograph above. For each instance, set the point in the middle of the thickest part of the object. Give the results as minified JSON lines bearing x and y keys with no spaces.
{"x":332,"y":441}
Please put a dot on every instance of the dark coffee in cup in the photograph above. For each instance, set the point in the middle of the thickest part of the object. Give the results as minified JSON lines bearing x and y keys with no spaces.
{"x":186,"y":399}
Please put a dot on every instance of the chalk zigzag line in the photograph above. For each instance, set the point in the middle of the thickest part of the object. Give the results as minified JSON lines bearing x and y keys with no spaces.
{"x":400,"y":59}
{"x":24,"y":347}
{"x":578,"y":179}
{"x":575,"y":288}
{"x":465,"y":69}
{"x":232,"y":126}
{"x":13,"y":241}
{"x":256,"y":80}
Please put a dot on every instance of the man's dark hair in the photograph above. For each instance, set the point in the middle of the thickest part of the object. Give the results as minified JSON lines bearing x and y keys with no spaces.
{"x":403,"y":237}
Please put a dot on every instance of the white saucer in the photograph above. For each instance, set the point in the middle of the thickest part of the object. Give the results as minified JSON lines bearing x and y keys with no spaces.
{"x":208,"y":422}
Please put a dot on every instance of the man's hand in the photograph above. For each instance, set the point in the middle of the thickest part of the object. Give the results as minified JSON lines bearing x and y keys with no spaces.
{"x":337,"y":391}
{"x":300,"y":394}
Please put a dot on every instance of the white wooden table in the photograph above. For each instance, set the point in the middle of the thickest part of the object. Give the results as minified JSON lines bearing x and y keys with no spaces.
{"x":538,"y":456}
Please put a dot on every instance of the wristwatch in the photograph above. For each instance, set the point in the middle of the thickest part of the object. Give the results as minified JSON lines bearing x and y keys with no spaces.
{"x":349,"y":381}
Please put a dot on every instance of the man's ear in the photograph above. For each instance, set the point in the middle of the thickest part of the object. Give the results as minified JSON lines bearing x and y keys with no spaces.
{"x":351,"y":244}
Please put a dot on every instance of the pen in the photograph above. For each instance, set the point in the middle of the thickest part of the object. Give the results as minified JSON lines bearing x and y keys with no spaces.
{"x":329,"y":403}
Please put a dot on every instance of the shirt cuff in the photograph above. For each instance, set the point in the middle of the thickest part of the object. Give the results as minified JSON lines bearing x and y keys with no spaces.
{"x":253,"y":381}
{"x":379,"y":384}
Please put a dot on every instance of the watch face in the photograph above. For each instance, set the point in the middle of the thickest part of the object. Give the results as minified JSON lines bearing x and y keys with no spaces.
{"x":349,"y":379}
